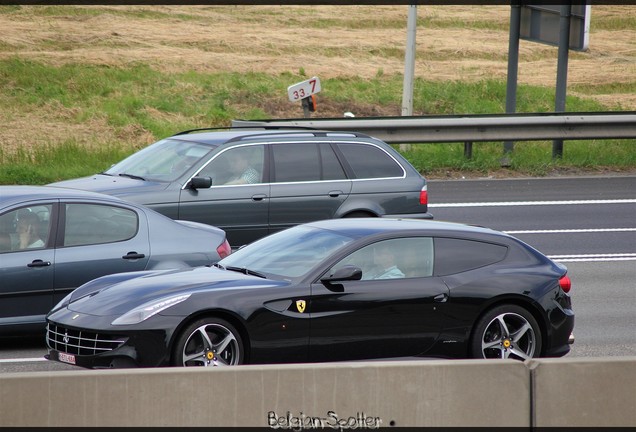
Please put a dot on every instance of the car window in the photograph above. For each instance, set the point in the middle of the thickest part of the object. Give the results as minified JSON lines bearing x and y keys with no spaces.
{"x":237,"y":165}
{"x":288,"y":254}
{"x":166,"y":160}
{"x":305,"y":162}
{"x":393,"y":259}
{"x":331,"y":168}
{"x":459,"y":255}
{"x":25,"y":228}
{"x":293,"y":163}
{"x":97,"y":223}
{"x":368,"y":161}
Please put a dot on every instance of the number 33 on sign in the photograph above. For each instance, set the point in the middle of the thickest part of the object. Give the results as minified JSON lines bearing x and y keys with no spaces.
{"x":303,"y":89}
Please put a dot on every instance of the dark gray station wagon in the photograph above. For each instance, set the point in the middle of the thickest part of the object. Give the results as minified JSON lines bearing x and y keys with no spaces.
{"x":253,"y":182}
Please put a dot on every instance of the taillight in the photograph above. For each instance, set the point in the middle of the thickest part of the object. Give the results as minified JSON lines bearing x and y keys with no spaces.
{"x":224,"y":249}
{"x":565,"y":283}
{"x":424,"y":196}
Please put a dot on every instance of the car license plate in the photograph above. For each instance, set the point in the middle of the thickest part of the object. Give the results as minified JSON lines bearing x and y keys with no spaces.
{"x":66,"y":358}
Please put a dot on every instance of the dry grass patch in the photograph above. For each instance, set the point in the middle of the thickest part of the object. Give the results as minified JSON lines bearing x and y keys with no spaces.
{"x":327,"y":41}
{"x":277,"y":39}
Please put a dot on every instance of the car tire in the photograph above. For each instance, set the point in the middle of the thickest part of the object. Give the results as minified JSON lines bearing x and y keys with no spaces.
{"x":209,"y":342}
{"x":506,"y":331}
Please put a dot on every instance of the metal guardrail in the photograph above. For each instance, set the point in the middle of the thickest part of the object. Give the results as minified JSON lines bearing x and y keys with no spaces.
{"x":475,"y":128}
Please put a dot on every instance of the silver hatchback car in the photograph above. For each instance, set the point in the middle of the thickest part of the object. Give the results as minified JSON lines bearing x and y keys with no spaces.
{"x":52,"y":240}
{"x":251,"y":182}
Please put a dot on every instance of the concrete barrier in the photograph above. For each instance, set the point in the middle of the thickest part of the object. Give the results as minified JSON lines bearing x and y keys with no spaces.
{"x":360,"y":395}
{"x":414,"y":393}
{"x":584,"y":392}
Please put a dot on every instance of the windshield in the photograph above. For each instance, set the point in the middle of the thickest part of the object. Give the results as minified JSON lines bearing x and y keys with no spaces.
{"x":165,"y":160}
{"x":287,"y":254}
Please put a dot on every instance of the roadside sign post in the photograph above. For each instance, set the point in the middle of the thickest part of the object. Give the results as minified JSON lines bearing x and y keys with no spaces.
{"x":309,"y":105}
{"x":566,"y":26}
{"x":304,"y":91}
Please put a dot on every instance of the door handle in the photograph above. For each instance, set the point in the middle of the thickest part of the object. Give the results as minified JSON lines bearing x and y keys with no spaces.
{"x":440,"y":298}
{"x":133,"y":255}
{"x":39,"y":263}
{"x":335,"y":193}
{"x":259,"y":197}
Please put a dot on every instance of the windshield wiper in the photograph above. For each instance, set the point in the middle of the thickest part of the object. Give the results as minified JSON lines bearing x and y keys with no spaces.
{"x":217,"y":265}
{"x":132,"y":176}
{"x":246,"y":271}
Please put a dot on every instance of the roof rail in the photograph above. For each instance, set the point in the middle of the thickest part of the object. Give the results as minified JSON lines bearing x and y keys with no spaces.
{"x":264,"y":127}
{"x":185,"y":132}
{"x":313,"y":132}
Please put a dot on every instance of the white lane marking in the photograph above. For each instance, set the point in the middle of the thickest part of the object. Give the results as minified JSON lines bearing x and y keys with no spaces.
{"x":23,"y":360}
{"x":531,"y":203}
{"x":594,"y":257}
{"x":585,"y":257}
{"x":608,"y":255}
{"x":567,"y":231}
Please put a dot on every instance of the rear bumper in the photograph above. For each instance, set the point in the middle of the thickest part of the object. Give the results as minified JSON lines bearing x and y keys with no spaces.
{"x":558,"y":351}
{"x":562,"y":333}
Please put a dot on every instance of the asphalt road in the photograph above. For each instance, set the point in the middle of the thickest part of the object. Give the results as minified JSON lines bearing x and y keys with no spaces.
{"x":587,"y":223}
{"x":559,"y":216}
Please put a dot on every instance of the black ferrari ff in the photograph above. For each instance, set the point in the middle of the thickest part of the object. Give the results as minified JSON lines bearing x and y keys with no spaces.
{"x":333,"y":290}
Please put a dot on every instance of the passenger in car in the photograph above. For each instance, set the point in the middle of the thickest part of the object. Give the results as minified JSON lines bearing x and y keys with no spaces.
{"x":243,"y":172}
{"x":385,"y":263}
{"x":28,"y":231}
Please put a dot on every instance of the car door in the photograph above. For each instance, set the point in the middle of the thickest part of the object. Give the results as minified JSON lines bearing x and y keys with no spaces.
{"x":399,"y":314}
{"x":239,"y":208}
{"x":308,"y":184}
{"x":97,"y":239}
{"x":279,"y":330}
{"x":26,"y":267}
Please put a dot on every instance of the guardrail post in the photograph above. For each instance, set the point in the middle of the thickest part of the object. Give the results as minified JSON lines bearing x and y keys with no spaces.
{"x":468,"y":150}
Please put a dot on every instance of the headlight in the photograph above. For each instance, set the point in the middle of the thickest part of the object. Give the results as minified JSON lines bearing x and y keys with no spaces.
{"x":146,"y":310}
{"x":65,"y":301}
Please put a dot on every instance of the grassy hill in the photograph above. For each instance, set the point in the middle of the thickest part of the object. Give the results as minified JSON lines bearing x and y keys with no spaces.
{"x":82,"y":86}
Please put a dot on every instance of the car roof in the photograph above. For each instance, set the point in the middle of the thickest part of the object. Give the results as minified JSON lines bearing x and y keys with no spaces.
{"x":10,"y":194}
{"x":218,"y":137}
{"x":371,"y":226}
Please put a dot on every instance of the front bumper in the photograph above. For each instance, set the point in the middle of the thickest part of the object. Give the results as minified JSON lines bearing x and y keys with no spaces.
{"x":101,"y":361}
{"x":109,"y":348}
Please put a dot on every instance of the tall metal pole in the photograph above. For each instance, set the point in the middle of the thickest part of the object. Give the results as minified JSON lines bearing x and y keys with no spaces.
{"x":513,"y":70}
{"x":409,"y":62}
{"x":562,"y":71}
{"x":409,"y":67}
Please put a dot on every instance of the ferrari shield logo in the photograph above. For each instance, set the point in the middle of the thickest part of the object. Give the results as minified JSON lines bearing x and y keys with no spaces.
{"x":300,"y":305}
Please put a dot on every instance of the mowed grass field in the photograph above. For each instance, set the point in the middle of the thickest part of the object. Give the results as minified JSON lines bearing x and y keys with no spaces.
{"x":83,"y":86}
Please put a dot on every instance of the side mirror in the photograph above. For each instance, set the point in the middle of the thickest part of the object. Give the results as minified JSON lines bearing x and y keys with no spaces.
{"x":346,"y":273}
{"x":201,"y":182}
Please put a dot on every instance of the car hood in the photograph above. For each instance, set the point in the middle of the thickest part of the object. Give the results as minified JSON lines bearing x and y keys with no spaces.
{"x":124,"y":295}
{"x":112,"y":185}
